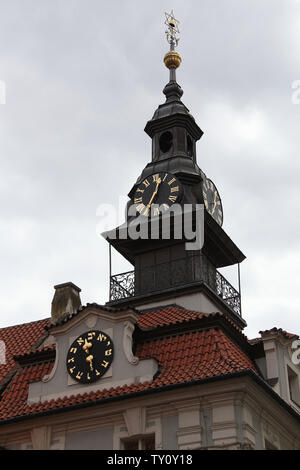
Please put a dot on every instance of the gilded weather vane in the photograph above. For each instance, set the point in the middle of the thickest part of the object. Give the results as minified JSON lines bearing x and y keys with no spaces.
{"x":172,"y":30}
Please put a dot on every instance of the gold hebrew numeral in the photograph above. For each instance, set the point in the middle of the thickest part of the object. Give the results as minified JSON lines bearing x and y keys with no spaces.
{"x":101,"y":337}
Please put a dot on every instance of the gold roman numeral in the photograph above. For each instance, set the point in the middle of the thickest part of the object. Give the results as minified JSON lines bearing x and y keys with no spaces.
{"x":146,"y":211}
{"x":108,"y":352}
{"x":175,"y":189}
{"x":155,"y":178}
{"x":137,"y":200}
{"x":146,"y":183}
{"x":104,"y":364}
{"x":171,"y":181}
{"x":172,"y":198}
{"x":140,"y":208}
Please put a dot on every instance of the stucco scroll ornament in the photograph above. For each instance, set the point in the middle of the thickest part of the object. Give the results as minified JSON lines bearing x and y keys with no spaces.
{"x":127,"y":343}
{"x":48,"y":377}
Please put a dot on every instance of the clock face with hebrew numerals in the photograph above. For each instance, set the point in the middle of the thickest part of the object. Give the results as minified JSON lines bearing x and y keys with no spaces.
{"x":90,"y":356}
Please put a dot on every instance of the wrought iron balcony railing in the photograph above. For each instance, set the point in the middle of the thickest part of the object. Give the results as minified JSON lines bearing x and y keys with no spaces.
{"x":175,"y":273}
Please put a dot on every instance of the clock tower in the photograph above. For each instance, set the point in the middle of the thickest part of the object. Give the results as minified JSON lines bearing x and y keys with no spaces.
{"x":173,"y":191}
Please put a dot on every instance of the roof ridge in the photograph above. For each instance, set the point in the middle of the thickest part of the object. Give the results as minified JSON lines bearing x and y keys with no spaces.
{"x":161,"y":307}
{"x":279,"y":330}
{"x":19,"y":325}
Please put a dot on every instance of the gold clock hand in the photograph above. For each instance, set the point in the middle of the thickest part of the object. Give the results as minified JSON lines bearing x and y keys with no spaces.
{"x":86,"y":346}
{"x":154,"y":193}
{"x":90,"y":360}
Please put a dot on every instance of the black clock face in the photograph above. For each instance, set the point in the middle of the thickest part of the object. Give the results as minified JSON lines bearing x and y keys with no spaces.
{"x":157,"y":193}
{"x":212,"y":200}
{"x":90,"y":356}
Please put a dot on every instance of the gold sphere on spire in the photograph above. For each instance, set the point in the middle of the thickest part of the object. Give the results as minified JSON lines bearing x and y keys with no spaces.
{"x":172,"y":60}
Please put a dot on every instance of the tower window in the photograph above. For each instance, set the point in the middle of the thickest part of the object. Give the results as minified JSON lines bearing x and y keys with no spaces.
{"x":189,"y":146}
{"x":165,"y":141}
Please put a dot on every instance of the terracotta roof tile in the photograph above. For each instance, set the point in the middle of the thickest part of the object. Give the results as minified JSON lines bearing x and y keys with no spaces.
{"x":20,"y":340}
{"x":168,"y":315}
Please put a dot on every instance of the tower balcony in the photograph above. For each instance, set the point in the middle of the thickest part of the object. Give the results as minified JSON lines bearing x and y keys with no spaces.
{"x":190,"y":271}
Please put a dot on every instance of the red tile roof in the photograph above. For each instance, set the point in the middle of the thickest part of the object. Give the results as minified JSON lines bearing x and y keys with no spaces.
{"x":18,"y":340}
{"x":14,"y":399}
{"x":181,"y":358}
{"x":167,"y":315}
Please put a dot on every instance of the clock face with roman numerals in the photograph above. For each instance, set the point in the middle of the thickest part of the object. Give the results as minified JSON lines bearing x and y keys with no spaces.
{"x":212,"y":200}
{"x":157,"y":193}
{"x":90,"y":356}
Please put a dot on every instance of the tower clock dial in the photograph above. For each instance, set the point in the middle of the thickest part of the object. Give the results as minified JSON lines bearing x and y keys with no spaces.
{"x":157,"y":193}
{"x":90,"y":356}
{"x":212,"y":200}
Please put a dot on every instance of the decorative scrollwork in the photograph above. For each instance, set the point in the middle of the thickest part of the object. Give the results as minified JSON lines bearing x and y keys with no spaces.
{"x":122,"y":286}
{"x":228,"y":293}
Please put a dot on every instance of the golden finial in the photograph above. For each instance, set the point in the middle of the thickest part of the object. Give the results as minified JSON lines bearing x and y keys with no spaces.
{"x":172,"y":58}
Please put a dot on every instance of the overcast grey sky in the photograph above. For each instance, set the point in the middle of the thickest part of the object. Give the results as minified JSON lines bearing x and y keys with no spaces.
{"x":82,"y":79}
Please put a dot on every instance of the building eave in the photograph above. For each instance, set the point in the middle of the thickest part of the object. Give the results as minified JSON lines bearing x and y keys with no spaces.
{"x":245,"y":373}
